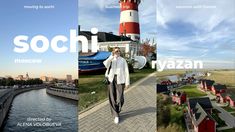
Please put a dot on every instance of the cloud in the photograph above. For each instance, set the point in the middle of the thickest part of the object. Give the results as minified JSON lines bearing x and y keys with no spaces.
{"x":203,"y":18}
{"x":204,"y":33}
{"x":105,"y":15}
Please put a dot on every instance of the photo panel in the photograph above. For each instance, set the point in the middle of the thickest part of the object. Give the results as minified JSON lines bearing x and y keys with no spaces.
{"x":196,"y":65}
{"x":117,"y":74}
{"x":38,"y":72}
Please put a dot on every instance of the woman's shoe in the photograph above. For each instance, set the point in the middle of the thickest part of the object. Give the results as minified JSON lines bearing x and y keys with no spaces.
{"x":116,"y":120}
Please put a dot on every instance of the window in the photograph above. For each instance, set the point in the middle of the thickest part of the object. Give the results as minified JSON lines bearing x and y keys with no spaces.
{"x":130,"y":13}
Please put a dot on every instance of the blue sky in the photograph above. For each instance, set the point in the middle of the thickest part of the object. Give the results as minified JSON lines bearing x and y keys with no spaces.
{"x":16,"y":20}
{"x":197,"y":30}
{"x":105,"y":15}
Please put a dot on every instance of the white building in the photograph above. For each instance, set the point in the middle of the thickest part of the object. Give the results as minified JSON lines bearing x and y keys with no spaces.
{"x":69,"y":79}
{"x":20,"y":77}
{"x":109,"y":40}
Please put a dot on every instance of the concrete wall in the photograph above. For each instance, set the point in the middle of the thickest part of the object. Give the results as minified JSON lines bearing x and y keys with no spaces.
{"x":6,"y":100}
{"x":5,"y":105}
{"x":64,"y":94}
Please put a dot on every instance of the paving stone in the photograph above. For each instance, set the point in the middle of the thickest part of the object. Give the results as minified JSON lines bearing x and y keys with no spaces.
{"x":138,"y":113}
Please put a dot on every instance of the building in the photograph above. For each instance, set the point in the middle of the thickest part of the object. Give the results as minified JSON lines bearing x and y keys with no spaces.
{"x":47,"y":79}
{"x":44,"y":78}
{"x":107,"y":41}
{"x":199,"y":110}
{"x":129,"y":19}
{"x":20,"y":77}
{"x":162,"y":88}
{"x":218,"y":88}
{"x":169,"y":84}
{"x":204,"y":102}
{"x":206,"y":84}
{"x":166,"y":82}
{"x":202,"y":121}
{"x":231,"y":100}
{"x":69,"y":79}
{"x":202,"y":84}
{"x":221,"y":97}
{"x":27,"y":76}
{"x":226,"y":98}
{"x":50,"y":79}
{"x":178,"y":97}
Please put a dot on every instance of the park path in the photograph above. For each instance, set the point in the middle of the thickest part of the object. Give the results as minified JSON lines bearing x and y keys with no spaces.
{"x":226,"y":116}
{"x":138,"y":113}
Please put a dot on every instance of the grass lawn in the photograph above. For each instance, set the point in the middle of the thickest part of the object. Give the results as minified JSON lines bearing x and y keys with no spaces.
{"x":228,"y":109}
{"x":228,"y":130}
{"x":192,"y":91}
{"x":94,"y":83}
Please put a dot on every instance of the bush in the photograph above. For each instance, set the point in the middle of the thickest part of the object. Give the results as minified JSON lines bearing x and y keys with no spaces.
{"x":171,"y":128}
{"x":147,"y":65}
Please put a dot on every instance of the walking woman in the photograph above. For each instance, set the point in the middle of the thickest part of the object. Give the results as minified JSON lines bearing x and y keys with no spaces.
{"x":118,"y":75}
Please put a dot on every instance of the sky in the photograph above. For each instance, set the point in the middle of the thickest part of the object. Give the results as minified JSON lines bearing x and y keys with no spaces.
{"x":105,"y":15}
{"x":197,"y":30}
{"x":16,"y":20}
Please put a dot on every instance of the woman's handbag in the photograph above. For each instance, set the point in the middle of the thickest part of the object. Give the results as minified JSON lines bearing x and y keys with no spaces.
{"x":106,"y":79}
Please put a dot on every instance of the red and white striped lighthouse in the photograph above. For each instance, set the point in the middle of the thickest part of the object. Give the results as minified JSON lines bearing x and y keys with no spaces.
{"x":129,"y":19}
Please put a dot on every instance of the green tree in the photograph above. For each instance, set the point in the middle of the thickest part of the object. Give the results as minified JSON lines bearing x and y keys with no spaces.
{"x":10,"y":82}
{"x":3,"y":82}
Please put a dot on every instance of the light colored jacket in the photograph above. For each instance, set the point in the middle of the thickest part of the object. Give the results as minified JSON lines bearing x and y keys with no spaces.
{"x":122,"y":70}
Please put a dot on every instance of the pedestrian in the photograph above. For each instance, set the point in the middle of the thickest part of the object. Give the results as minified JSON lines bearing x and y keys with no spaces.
{"x":118,"y":76}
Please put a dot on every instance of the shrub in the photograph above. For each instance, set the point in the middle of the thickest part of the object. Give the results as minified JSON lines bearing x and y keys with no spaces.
{"x":171,"y":128}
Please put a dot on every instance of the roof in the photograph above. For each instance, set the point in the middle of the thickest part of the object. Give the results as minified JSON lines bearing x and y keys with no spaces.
{"x":161,"y":88}
{"x":105,"y":37}
{"x":200,"y":114}
{"x":204,"y":102}
{"x":219,"y":86}
{"x":209,"y":82}
{"x":178,"y":93}
{"x":232,"y":96}
{"x":202,"y":80}
{"x":101,"y":55}
{"x":223,"y":94}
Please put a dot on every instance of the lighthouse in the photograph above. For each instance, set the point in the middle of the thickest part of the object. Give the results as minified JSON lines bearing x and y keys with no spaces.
{"x":129,"y":19}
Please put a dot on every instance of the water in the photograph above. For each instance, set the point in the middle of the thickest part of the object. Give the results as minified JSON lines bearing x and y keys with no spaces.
{"x":60,"y":114}
{"x":173,"y":78}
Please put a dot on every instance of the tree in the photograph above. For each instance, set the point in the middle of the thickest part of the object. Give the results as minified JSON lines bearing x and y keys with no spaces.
{"x":3,"y":82}
{"x":10,"y":82}
{"x":146,"y":49}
